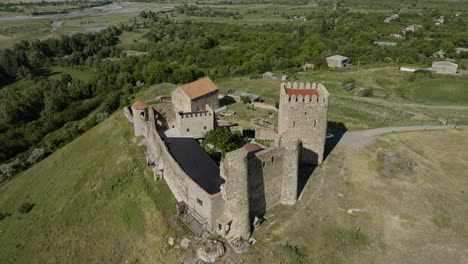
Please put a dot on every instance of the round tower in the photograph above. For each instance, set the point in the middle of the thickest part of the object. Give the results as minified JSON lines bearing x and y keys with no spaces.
{"x":235,"y":170}
{"x":140,"y":117}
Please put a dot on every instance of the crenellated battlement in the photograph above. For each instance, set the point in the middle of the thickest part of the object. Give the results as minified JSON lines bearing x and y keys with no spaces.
{"x":303,"y":92}
{"x":187,"y":115}
{"x":194,"y":114}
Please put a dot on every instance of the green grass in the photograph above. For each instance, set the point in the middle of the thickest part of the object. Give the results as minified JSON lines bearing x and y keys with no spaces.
{"x":244,"y":115}
{"x":442,"y":91}
{"x":268,"y":90}
{"x":95,"y":201}
{"x":84,"y":75}
{"x":15,"y":31}
{"x":354,"y":114}
{"x":394,"y":85}
{"x":128,"y":38}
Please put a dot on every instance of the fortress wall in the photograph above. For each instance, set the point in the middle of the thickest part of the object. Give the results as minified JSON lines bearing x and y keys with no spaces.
{"x":217,"y":209}
{"x":182,"y":186}
{"x":265,"y":134}
{"x":189,"y":124}
{"x":128,"y":113}
{"x":265,"y":169}
{"x":173,"y":174}
{"x":211,"y":206}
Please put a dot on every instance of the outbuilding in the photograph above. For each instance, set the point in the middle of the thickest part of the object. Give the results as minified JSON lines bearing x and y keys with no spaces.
{"x":444,"y":67}
{"x":337,"y":61}
{"x":269,"y":76}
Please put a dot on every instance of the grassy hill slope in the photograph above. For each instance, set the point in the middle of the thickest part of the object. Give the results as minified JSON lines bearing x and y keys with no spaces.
{"x":402,"y":200}
{"x":95,"y":202}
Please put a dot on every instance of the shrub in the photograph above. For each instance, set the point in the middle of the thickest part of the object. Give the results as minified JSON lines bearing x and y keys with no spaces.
{"x":4,"y":215}
{"x":368,"y":92}
{"x":245,"y":99}
{"x":26,"y":208}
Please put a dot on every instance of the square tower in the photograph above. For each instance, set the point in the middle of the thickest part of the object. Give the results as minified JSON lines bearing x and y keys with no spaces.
{"x":303,"y":115}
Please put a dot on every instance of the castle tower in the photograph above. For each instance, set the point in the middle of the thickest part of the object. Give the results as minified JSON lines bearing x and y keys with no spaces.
{"x":140,"y":117}
{"x":303,"y":115}
{"x":235,"y":191}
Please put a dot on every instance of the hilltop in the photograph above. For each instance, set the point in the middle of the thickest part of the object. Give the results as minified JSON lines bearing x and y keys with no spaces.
{"x":96,"y":201}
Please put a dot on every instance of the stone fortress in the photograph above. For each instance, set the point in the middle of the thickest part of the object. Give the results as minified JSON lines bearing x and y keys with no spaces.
{"x":231,"y":199}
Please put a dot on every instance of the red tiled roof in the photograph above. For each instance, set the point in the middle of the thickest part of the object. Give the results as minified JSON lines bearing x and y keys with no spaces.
{"x":252,"y":147}
{"x":199,"y":88}
{"x":139,"y":105}
{"x":303,"y":92}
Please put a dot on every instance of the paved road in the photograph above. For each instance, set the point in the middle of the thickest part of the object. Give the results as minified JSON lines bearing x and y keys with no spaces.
{"x":362,"y":138}
{"x":374,"y":100}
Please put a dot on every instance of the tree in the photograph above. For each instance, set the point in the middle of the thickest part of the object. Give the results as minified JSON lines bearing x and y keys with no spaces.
{"x":222,"y":139}
{"x":447,"y":46}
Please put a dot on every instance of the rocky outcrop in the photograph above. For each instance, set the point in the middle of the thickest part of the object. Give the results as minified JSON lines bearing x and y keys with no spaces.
{"x":211,"y":251}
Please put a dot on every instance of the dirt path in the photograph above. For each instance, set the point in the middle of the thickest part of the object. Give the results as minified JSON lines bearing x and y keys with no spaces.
{"x":357,"y":139}
{"x":374,"y":100}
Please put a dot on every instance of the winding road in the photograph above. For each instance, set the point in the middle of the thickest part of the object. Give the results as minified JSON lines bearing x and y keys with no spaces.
{"x":357,"y":139}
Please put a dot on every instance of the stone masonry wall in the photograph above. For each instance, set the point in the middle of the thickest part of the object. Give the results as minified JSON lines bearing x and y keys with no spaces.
{"x":265,"y":173}
{"x":180,"y":101}
{"x":235,"y":191}
{"x":128,"y":113}
{"x":305,"y":119}
{"x":265,"y":133}
{"x":195,"y":123}
{"x":210,"y":99}
{"x":181,"y":185}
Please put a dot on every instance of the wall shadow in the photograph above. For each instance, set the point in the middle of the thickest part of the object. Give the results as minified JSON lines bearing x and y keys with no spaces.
{"x":226,"y":100}
{"x":257,"y":198}
{"x":305,"y":171}
{"x":250,"y":133}
{"x":309,"y":160}
{"x":338,"y":129}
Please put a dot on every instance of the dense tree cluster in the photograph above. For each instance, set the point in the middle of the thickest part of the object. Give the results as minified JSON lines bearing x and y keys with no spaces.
{"x":41,"y":113}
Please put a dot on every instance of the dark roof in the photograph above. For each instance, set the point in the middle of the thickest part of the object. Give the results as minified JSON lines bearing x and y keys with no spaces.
{"x":196,"y":163}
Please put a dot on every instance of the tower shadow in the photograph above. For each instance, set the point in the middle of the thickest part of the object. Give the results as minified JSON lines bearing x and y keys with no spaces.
{"x":338,"y":129}
{"x":305,"y":171}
